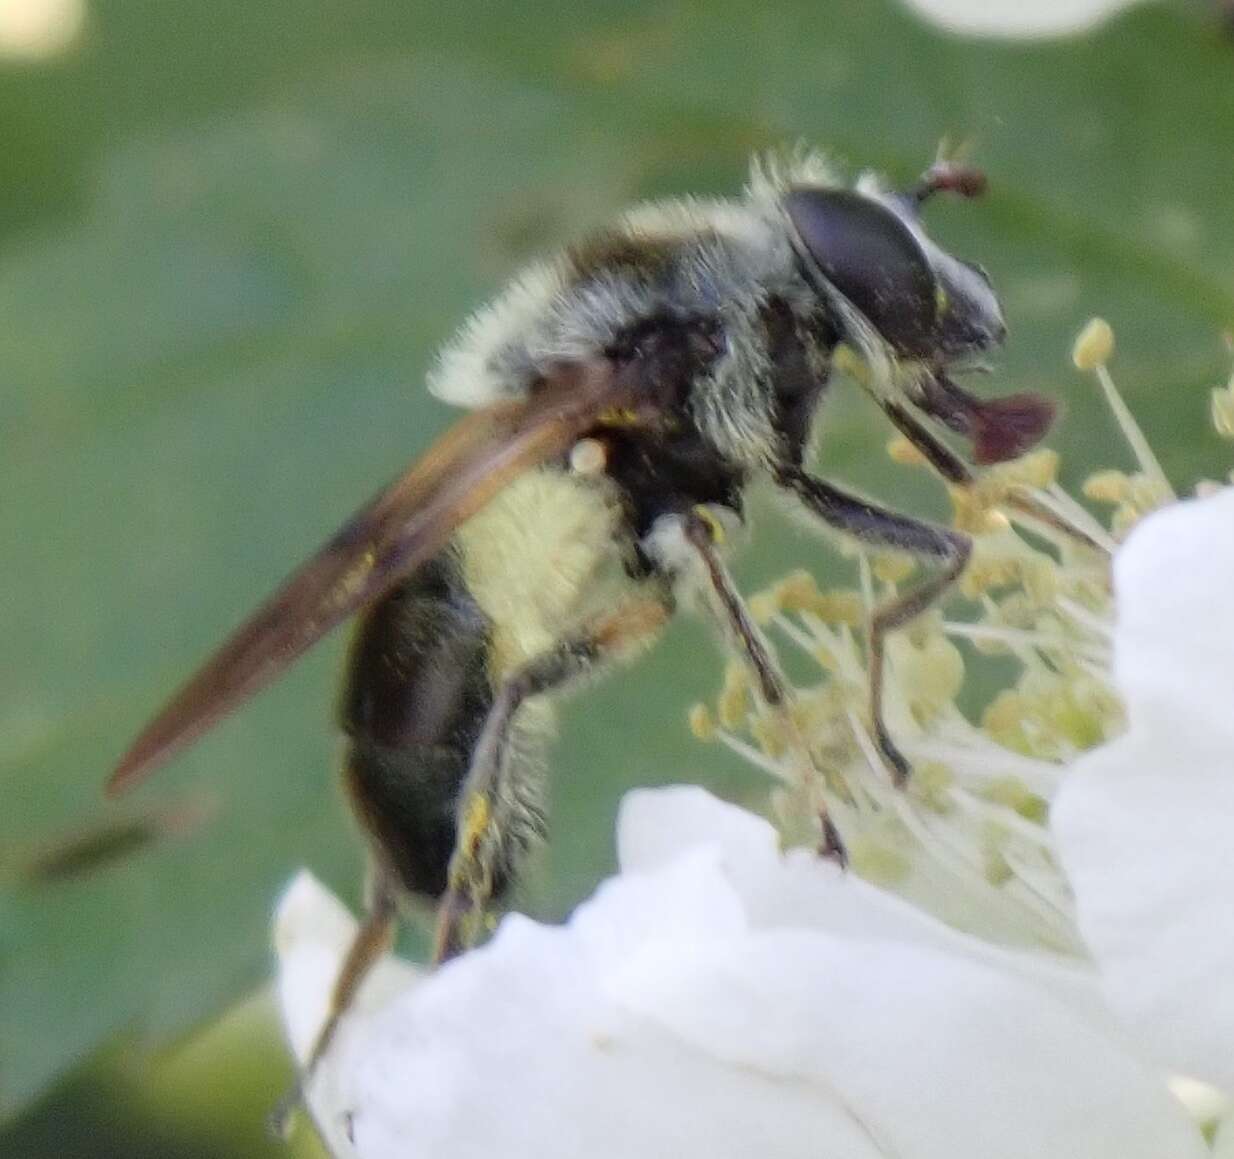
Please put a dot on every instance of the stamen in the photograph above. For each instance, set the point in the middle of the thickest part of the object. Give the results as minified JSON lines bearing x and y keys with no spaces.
{"x":1023,"y":889}
{"x":1008,"y":818}
{"x":1042,"y":882}
{"x":702,"y":723}
{"x":939,"y":842}
{"x":796,"y":635}
{"x":981,"y":760}
{"x":1132,"y":433}
{"x":1082,"y":616}
{"x":1058,"y":503}
{"x":1014,"y":636}
{"x":1094,"y":345}
{"x":755,"y":756}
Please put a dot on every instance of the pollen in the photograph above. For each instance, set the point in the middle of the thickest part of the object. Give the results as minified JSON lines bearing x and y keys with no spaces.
{"x":879,"y":862}
{"x":1037,"y":469}
{"x":588,"y":457}
{"x":796,"y":591}
{"x":714,"y":526}
{"x":702,"y":723}
{"x":734,"y":699}
{"x":987,"y":571}
{"x":1094,"y":345}
{"x":1107,"y":487}
{"x":1016,"y":796}
{"x":893,"y":567}
{"x":619,"y":417}
{"x":475,"y":823}
{"x":1040,"y":580}
{"x":826,"y":658}
{"x":1223,"y":410}
{"x":901,"y":450}
{"x":764,"y":607}
{"x":846,"y":360}
{"x":973,"y":510}
{"x":934,"y":782}
{"x":768,"y":732}
{"x":839,"y":607}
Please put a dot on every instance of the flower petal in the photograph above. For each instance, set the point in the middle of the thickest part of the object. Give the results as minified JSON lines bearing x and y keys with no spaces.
{"x":1174,"y":642}
{"x":517,"y":1050}
{"x":932,"y":1055}
{"x":798,"y":889}
{"x":312,"y":933}
{"x":1223,"y":1147}
{"x":666,"y":1019}
{"x":1143,"y":824}
{"x":1012,"y":19}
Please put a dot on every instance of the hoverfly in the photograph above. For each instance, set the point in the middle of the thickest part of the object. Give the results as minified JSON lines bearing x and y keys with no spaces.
{"x":622,"y":396}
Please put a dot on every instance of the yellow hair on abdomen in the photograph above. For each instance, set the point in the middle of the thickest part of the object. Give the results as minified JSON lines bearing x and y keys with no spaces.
{"x":541,"y":559}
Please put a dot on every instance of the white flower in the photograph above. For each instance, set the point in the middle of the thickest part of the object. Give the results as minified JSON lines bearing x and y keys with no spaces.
{"x":1145,"y":824}
{"x":35,"y":29}
{"x":720,"y":999}
{"x":1016,"y":19}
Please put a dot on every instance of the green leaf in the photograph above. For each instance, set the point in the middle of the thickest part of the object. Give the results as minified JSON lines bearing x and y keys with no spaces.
{"x":215,"y":318}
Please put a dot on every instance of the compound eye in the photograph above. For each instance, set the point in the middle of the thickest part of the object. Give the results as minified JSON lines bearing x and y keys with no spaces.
{"x":863,"y":249}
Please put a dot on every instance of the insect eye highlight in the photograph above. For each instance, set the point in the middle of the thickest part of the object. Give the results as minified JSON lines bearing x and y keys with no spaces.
{"x":868,"y":253}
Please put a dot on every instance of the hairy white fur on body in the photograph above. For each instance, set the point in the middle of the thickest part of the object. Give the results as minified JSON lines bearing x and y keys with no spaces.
{"x":735,"y":254}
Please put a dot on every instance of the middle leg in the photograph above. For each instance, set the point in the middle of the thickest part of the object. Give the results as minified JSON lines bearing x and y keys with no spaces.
{"x":702,"y":532}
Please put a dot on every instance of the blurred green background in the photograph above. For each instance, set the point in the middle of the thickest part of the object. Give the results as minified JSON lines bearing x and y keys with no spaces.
{"x":231,"y":235}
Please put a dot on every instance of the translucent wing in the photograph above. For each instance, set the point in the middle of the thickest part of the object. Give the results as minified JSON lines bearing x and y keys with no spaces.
{"x":397,"y":531}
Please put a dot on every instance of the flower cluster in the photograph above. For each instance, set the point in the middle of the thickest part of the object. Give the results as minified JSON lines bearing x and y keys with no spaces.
{"x":1032,"y":958}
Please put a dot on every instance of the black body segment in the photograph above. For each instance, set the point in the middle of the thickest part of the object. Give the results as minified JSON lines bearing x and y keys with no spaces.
{"x":415,"y":700}
{"x":794,"y":350}
{"x":664,"y":465}
{"x":666,"y":472}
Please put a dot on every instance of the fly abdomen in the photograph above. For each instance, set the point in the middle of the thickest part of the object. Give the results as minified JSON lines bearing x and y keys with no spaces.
{"x":416,"y":697}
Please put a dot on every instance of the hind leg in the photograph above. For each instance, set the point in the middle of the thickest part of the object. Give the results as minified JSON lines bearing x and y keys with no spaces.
{"x":495,"y":822}
{"x":373,"y":938}
{"x":416,"y":697}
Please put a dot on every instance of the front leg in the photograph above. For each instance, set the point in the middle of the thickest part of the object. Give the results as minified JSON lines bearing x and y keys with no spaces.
{"x":495,"y":822}
{"x":702,"y":531}
{"x":879,"y":527}
{"x":949,"y":465}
